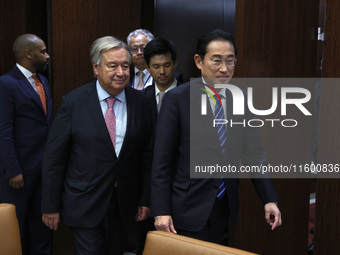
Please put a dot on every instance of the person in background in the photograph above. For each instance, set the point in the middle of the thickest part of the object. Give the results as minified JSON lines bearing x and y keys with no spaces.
{"x":140,"y":77}
{"x":26,"y":118}
{"x":161,"y":60}
{"x":137,"y":40}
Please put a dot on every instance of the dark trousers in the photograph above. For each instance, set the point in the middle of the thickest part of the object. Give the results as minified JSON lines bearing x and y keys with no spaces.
{"x":216,"y":228}
{"x":108,"y":238}
{"x":35,"y":236}
{"x":143,"y":228}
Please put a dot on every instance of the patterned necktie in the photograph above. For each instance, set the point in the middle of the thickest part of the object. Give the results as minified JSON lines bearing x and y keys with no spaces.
{"x":41,"y":91}
{"x":141,"y":82}
{"x":161,"y":95}
{"x":222,"y":137}
{"x":110,"y":119}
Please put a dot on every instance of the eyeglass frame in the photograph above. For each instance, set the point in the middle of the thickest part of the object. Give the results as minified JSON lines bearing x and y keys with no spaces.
{"x":218,"y":65}
{"x":135,"y":50}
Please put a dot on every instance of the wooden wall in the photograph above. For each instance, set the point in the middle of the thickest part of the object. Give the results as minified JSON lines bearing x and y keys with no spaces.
{"x":184,"y":21}
{"x":16,"y":19}
{"x":278,"y":39}
{"x":74,"y":26}
{"x":327,"y":222}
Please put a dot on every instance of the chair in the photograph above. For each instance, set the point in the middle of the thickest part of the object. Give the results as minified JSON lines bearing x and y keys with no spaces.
{"x":164,"y":243}
{"x":9,"y":231}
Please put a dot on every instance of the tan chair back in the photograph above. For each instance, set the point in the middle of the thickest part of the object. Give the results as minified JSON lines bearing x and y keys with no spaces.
{"x":9,"y":231}
{"x":164,"y":243}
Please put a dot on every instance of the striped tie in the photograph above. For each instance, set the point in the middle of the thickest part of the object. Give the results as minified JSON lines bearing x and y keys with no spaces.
{"x":222,"y":137}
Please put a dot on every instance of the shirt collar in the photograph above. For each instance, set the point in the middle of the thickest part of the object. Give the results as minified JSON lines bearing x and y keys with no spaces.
{"x":221,"y":93}
{"x":145,"y":71}
{"x":25,"y":72}
{"x":173,"y":85}
{"x":102,"y":94}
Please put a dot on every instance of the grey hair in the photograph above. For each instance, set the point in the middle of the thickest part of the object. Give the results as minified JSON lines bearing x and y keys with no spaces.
{"x":103,"y":44}
{"x":145,"y":32}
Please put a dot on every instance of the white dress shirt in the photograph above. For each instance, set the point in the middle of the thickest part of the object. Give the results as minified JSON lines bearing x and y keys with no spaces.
{"x":120,"y":111}
{"x":147,"y":79}
{"x":28,"y":74}
{"x":172,"y":86}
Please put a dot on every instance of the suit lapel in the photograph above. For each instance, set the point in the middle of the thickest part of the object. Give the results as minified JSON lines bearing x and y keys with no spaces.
{"x":206,"y":120}
{"x":130,"y":108}
{"x":152,"y":97}
{"x":27,"y":87}
{"x":93,"y":106}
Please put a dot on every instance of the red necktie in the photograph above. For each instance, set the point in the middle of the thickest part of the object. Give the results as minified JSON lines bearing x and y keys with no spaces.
{"x":41,"y":91}
{"x":110,"y":119}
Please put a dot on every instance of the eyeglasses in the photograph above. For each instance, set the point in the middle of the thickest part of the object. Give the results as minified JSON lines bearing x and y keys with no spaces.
{"x":135,"y":50}
{"x":218,"y":62}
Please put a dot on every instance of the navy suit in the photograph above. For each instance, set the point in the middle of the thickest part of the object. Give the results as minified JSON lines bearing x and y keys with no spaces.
{"x":148,"y":225}
{"x":190,"y":201}
{"x":24,"y":129}
{"x":81,"y":168}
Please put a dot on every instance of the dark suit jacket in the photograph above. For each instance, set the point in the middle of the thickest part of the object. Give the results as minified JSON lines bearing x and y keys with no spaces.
{"x":190,"y":200}
{"x":24,"y":126}
{"x":150,"y":94}
{"x":80,"y":165}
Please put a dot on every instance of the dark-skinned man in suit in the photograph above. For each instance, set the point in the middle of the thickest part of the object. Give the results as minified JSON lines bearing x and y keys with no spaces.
{"x":26,"y":119}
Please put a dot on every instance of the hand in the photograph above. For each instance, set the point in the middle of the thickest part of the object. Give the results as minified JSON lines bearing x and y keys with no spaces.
{"x":51,"y":220}
{"x":165,"y":223}
{"x":142,"y":213}
{"x":272,"y":215}
{"x":17,"y":182}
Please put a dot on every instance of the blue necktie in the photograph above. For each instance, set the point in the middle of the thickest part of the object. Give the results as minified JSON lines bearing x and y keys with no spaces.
{"x":222,"y":137}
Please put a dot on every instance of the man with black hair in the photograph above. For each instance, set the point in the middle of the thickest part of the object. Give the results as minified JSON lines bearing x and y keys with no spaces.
{"x":25,"y":122}
{"x":199,"y":208}
{"x":161,"y":60}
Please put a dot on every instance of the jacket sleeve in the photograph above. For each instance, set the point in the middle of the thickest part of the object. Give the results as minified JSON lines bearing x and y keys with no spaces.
{"x":9,"y":159}
{"x":56,"y":159}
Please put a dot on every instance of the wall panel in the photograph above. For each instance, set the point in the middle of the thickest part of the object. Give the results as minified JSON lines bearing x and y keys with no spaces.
{"x":278,"y":39}
{"x":74,"y":26}
{"x":327,"y":221}
{"x":183,"y":21}
{"x":19,"y":17}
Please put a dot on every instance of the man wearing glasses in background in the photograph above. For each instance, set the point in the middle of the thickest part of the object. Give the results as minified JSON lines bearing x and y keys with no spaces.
{"x":199,"y":208}
{"x":140,"y":78}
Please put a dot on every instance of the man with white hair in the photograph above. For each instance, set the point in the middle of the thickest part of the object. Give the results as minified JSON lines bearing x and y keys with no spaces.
{"x":96,"y":168}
